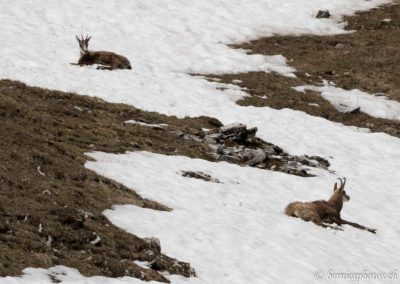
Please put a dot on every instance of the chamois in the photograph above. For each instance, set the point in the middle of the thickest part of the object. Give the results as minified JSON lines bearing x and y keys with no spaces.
{"x":108,"y":60}
{"x":322,"y":212}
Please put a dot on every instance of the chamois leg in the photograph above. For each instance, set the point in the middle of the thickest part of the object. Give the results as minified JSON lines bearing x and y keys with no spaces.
{"x":104,"y":68}
{"x":329,"y":226}
{"x":317,"y":221}
{"x":358,"y":226}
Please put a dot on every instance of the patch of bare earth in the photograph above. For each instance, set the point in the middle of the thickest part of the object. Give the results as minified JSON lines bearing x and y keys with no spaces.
{"x":51,"y":206}
{"x":367,"y":59}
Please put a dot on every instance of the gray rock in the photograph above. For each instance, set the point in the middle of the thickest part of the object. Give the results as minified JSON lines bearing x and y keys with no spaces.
{"x":305,"y":161}
{"x":230,"y":159}
{"x":251,"y":132}
{"x":214,"y":136}
{"x":233,"y":128}
{"x":178,"y":133}
{"x":210,"y":140}
{"x":323,"y":14}
{"x":238,"y":149}
{"x":227,"y":151}
{"x":252,"y":157}
{"x":320,"y":161}
{"x":269,"y":150}
{"x":199,"y":175}
{"x":192,"y":137}
{"x":215,"y":148}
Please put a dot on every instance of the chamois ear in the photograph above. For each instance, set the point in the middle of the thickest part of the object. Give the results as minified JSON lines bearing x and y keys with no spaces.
{"x":335,"y":187}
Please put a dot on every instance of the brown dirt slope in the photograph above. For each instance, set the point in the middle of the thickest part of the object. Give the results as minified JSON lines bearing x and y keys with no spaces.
{"x":51,"y":206}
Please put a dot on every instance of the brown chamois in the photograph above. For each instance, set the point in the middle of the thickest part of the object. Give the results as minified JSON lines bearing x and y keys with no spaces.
{"x":322,"y":212}
{"x":108,"y":60}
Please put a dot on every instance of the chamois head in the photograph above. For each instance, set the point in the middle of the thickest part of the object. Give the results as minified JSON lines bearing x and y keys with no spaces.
{"x":83,"y":44}
{"x":339,"y":191}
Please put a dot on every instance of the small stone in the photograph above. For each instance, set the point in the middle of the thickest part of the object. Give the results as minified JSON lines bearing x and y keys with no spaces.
{"x":323,"y":14}
{"x":251,"y":132}
{"x":178,"y":133}
{"x":233,"y":128}
{"x":217,"y":148}
{"x":227,"y":151}
{"x":230,"y":159}
{"x":252,"y":157}
{"x":210,"y":140}
{"x":199,"y":175}
{"x":192,"y":137}
{"x":214,"y":136}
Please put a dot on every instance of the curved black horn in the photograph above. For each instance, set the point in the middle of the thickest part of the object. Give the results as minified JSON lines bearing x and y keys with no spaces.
{"x":342,"y":182}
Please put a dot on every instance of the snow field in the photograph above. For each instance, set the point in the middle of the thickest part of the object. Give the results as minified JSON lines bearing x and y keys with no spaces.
{"x":236,"y":232}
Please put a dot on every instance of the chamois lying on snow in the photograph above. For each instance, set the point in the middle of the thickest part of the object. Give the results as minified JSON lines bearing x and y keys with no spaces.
{"x":108,"y":60}
{"x":322,"y":212}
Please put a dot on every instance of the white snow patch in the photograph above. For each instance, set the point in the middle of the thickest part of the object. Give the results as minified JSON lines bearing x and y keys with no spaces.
{"x":161,"y":125}
{"x":143,"y":264}
{"x":344,"y":101}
